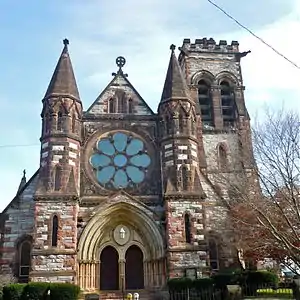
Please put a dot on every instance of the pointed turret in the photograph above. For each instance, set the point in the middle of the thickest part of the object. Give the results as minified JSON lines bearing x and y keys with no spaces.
{"x":61,"y":132}
{"x":23,"y":181}
{"x":175,"y":85}
{"x":178,"y":114}
{"x":63,"y":79}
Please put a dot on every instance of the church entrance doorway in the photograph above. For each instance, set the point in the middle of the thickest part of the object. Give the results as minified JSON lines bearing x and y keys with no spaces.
{"x":134,"y":268}
{"x":109,"y":269}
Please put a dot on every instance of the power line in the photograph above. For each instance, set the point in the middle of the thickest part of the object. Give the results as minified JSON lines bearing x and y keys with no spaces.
{"x":14,"y":146}
{"x":230,"y":17}
{"x":252,"y":33}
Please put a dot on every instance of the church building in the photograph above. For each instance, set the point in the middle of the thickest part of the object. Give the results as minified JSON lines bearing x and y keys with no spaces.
{"x":124,"y":197}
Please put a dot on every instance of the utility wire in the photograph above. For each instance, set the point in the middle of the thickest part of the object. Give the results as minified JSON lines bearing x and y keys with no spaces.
{"x":14,"y":146}
{"x":252,"y":33}
{"x":230,"y":17}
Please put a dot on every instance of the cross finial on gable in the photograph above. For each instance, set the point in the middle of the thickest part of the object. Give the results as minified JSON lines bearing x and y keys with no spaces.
{"x":66,"y":42}
{"x":172,"y":48}
{"x":120,"y":61}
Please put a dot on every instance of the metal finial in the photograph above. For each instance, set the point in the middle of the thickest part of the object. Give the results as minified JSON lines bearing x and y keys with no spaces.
{"x":24,"y":173}
{"x":120,"y":61}
{"x":66,"y":42}
{"x":172,"y":47}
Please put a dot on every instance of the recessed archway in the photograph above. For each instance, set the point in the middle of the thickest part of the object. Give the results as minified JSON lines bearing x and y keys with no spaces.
{"x":134,"y":268}
{"x":109,"y":269}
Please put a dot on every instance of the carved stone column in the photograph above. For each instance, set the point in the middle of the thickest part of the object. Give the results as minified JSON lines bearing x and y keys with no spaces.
{"x":217,"y":107}
{"x":146,"y":274}
{"x":88,"y":275}
{"x":122,"y":274}
{"x":97,"y":275}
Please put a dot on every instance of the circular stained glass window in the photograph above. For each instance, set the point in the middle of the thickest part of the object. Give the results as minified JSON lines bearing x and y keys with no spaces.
{"x":120,"y":161}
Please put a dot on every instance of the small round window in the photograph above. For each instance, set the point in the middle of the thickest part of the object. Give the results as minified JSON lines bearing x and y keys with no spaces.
{"x":120,"y":161}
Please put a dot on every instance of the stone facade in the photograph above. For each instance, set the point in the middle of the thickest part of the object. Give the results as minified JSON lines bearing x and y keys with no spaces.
{"x":118,"y":183}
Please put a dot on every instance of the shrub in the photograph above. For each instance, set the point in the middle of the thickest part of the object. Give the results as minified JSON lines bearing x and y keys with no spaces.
{"x":180,"y":283}
{"x":203,"y":283}
{"x":254,"y":280}
{"x":222,"y":280}
{"x":64,"y":291}
{"x":13,"y":291}
{"x":261,"y":278}
{"x":34,"y":291}
{"x":5,"y":279}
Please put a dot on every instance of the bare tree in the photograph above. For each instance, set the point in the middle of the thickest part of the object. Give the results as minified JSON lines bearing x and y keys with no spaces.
{"x":264,"y":201}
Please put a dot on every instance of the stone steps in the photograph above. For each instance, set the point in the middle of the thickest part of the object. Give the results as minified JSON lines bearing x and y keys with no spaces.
{"x":144,"y":295}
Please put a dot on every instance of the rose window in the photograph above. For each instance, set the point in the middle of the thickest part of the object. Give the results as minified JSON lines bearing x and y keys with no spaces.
{"x":120,"y":161}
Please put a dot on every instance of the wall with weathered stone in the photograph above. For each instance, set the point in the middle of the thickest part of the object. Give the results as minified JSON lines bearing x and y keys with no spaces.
{"x":230,"y":140}
{"x":100,"y":106}
{"x":52,"y":262}
{"x":210,"y":57}
{"x":180,"y":254}
{"x":19,"y":216}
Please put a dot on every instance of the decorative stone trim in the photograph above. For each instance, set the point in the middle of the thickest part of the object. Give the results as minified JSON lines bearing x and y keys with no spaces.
{"x":51,"y":273}
{"x":53,"y":251}
{"x":54,"y":198}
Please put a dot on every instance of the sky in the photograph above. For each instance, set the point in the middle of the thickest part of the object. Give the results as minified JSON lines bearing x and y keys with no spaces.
{"x":142,"y":31}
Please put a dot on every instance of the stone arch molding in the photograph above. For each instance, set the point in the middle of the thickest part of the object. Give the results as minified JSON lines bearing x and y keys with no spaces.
{"x":205,"y":75}
{"x":129,"y":213}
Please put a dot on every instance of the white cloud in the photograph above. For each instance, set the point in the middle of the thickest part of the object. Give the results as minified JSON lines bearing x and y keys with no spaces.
{"x":142,"y":32}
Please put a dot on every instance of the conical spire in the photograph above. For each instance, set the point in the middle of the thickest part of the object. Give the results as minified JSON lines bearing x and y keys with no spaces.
{"x":23,"y":181}
{"x":63,"y":80}
{"x":175,"y":84}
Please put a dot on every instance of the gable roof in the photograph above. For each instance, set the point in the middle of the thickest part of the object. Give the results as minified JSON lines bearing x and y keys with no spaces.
{"x":120,"y":81}
{"x":20,"y":191}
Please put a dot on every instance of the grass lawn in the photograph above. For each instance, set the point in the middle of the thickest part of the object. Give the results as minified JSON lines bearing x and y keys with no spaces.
{"x":279,"y":293}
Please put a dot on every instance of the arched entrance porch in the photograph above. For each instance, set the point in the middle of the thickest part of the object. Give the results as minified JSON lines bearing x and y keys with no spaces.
{"x":135,"y":236}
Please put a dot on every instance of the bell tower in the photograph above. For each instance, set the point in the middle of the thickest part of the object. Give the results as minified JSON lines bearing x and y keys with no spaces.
{"x":56,"y":197}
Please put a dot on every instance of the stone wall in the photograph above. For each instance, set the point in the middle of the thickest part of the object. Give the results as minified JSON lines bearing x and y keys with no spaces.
{"x":182,"y":255}
{"x":19,"y":223}
{"x":212,"y":141}
{"x":52,"y":262}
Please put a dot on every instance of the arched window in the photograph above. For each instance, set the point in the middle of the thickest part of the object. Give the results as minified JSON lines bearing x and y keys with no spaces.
{"x":227,"y":103}
{"x":60,"y":121}
{"x":130,"y":106}
{"x":54,"y":231}
{"x":181,"y":123}
{"x":222,"y":157}
{"x":205,"y":101}
{"x":111,"y":106}
{"x":193,"y":126}
{"x":24,"y":261}
{"x":57,"y":178}
{"x":73,"y":122}
{"x":46,"y":123}
{"x":168,"y":125}
{"x":185,"y":177}
{"x":213,"y":254}
{"x":187,"y":228}
{"x":122,"y":103}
